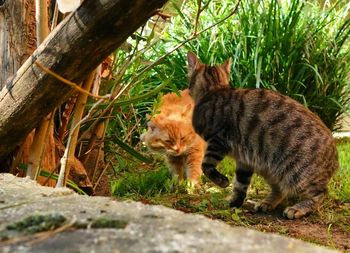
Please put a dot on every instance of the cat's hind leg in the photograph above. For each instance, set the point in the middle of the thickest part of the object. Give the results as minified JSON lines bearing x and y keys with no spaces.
{"x":242,"y":180}
{"x":272,"y":200}
{"x":303,"y":208}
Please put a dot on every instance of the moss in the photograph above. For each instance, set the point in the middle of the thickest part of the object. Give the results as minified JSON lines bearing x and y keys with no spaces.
{"x":37,"y":223}
{"x":102,"y":222}
{"x":108,"y":223}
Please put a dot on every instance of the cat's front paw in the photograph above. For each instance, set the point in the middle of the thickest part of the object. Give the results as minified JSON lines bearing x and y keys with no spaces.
{"x":221,"y":181}
{"x":263,"y":207}
{"x":217,"y":178}
{"x":237,"y":200}
{"x":295,"y":213}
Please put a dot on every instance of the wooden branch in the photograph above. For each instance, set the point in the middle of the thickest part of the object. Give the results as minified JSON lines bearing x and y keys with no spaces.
{"x":72,"y":50}
{"x":69,"y":155}
{"x":43,"y":136}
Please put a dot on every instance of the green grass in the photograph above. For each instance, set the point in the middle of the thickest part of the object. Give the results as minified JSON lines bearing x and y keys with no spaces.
{"x":152,"y":184}
{"x":294,"y":47}
{"x":339,"y":186}
{"x":142,"y":183}
{"x":149,"y":182}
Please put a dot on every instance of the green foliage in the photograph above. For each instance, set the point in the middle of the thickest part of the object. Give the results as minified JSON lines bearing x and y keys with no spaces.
{"x":339,"y":187}
{"x":296,"y":48}
{"x":148,"y":183}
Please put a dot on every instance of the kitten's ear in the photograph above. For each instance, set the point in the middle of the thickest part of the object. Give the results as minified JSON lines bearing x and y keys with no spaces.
{"x":193,"y":61}
{"x":227,"y":65}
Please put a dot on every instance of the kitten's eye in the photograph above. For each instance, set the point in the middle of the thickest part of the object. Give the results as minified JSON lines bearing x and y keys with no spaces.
{"x":183,"y":138}
{"x":168,"y":141}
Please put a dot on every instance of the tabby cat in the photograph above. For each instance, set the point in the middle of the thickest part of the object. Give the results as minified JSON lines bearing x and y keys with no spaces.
{"x":171,"y":133}
{"x":266,"y":133}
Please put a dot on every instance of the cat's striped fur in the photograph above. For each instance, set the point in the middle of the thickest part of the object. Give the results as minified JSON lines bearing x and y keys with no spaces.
{"x":266,"y":133}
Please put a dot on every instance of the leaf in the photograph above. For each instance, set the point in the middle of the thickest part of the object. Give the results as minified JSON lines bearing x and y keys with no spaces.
{"x":131,"y":150}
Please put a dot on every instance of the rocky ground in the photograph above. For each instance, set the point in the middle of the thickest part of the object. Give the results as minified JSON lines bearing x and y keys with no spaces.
{"x":41,"y":219}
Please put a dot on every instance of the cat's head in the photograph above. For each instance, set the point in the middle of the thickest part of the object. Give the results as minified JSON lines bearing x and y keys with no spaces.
{"x":168,"y":136}
{"x":204,"y":78}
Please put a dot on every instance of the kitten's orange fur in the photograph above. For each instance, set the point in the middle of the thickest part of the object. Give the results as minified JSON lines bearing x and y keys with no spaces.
{"x":171,"y":133}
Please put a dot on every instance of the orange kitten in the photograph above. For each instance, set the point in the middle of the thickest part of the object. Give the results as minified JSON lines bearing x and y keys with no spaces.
{"x":171,"y":133}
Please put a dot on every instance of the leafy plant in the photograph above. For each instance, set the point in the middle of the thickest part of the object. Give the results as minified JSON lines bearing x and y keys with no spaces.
{"x":295,"y":47}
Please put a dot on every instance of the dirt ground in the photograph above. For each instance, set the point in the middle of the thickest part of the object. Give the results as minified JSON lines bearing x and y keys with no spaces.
{"x":311,"y":229}
{"x":330,"y":226}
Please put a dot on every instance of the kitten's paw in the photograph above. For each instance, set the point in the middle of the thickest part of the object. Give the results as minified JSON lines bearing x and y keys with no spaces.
{"x":295,"y":213}
{"x":191,"y":187}
{"x":263,"y":207}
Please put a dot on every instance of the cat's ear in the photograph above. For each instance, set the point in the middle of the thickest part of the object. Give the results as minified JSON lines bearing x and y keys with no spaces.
{"x":227,"y":65}
{"x":193,"y":61}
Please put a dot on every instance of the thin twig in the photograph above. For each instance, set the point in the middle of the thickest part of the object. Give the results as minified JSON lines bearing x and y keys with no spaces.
{"x":100,"y":176}
{"x":71,"y":84}
{"x":199,"y":3}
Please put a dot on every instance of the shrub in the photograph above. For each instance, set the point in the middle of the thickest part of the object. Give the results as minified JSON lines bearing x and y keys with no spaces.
{"x":296,"y":48}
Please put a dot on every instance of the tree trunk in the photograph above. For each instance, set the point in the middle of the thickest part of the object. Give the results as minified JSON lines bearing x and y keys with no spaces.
{"x":17,"y":36}
{"x":18,"y":42}
{"x":72,"y":50}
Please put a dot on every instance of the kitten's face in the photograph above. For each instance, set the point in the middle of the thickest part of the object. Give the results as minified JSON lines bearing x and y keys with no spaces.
{"x":168,"y":136}
{"x":203,"y":78}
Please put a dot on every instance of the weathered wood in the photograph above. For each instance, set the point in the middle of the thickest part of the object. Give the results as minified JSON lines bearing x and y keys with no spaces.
{"x":72,"y":50}
{"x":17,"y":36}
{"x":17,"y":43}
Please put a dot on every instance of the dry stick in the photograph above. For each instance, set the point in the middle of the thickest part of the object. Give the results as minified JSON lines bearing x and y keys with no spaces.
{"x":95,"y":88}
{"x":69,"y":152}
{"x":71,"y":84}
{"x":92,"y":140}
{"x":37,"y":149}
{"x":41,"y":16}
{"x":105,"y":125}
{"x":46,"y":136}
{"x":199,"y":3}
{"x":95,"y":134}
{"x":100,"y":176}
{"x":55,"y":17}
